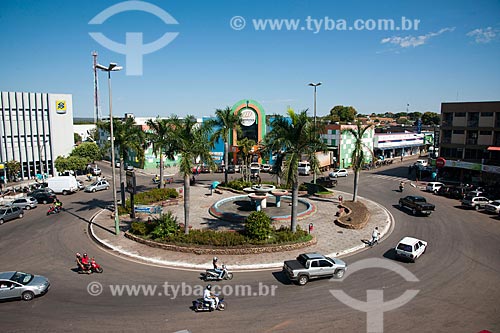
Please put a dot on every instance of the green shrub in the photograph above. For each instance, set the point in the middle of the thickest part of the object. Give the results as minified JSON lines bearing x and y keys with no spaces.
{"x":165,"y":226}
{"x":258,"y":226}
{"x":138,"y":228}
{"x":239,"y":184}
{"x":210,"y":238}
{"x":285,"y":235}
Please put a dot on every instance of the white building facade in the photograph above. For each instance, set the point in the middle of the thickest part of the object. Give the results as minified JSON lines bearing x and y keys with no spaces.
{"x":35,"y":129}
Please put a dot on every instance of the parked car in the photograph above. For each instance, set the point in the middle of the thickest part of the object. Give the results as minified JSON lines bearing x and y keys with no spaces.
{"x":44,"y":197}
{"x":81,"y":186}
{"x":8,"y":213}
{"x":444,"y":190}
{"x":475,"y":202}
{"x":417,"y":205}
{"x":265,"y":167}
{"x":312,"y":266}
{"x":421,"y":162}
{"x":457,"y":192}
{"x":41,"y":189}
{"x":24,"y":203}
{"x":493,"y":207}
{"x":231,"y":168}
{"x":433,"y":187}
{"x":22,"y":285}
{"x":96,"y":171}
{"x":97,"y":186}
{"x":339,"y":173}
{"x":410,"y":248}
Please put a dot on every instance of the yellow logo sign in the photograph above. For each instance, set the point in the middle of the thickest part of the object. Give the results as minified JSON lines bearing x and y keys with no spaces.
{"x":61,"y":106}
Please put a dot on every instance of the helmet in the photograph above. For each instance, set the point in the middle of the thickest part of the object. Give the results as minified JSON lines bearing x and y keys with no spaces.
{"x":85,"y":255}
{"x":78,"y":254}
{"x":209,"y":287}
{"x":215,"y":259}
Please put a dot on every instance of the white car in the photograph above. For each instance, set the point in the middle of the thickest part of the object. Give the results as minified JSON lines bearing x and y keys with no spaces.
{"x":493,"y":207}
{"x":421,"y":162}
{"x":433,"y":187}
{"x":339,"y":173}
{"x":410,"y":248}
{"x":475,"y":202}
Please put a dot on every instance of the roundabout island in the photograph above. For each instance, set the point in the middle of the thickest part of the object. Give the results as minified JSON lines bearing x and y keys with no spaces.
{"x":226,"y":211}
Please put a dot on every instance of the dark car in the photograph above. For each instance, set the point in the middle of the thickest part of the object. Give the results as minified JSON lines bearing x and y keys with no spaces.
{"x":41,"y":190}
{"x":44,"y":197}
{"x":457,"y":192}
{"x":231,"y":168}
{"x":444,"y":190}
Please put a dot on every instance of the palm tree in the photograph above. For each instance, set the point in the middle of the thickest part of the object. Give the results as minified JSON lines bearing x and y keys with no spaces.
{"x":245,"y":147}
{"x":128,"y":137}
{"x":358,"y":154}
{"x":293,"y":135}
{"x":225,"y":121}
{"x":160,"y":136}
{"x":191,"y":141}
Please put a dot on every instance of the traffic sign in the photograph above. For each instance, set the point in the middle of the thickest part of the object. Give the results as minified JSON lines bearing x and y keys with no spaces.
{"x":440,"y":162}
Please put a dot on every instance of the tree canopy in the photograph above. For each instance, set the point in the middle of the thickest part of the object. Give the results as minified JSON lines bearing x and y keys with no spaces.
{"x":343,"y":113}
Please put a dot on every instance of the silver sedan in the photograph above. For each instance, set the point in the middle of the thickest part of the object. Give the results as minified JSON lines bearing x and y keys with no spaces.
{"x":97,"y":186}
{"x":22,"y":285}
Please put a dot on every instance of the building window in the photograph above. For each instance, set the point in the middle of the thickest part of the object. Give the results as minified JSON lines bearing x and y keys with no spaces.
{"x":458,"y":132}
{"x":473,"y":119}
{"x":459,"y":114}
{"x":473,"y":154}
{"x":447,"y":119}
{"x":484,"y":132}
{"x":472,"y":137}
{"x":486,"y":114}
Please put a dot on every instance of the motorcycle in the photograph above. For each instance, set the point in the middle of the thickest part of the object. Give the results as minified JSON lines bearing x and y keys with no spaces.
{"x":401,"y":188}
{"x":200,"y":305}
{"x":54,"y":210}
{"x":93,"y":267}
{"x":213,"y":275}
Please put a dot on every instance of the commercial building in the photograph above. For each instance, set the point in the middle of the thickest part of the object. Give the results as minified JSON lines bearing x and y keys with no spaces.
{"x":470,"y":141}
{"x":35,"y":129}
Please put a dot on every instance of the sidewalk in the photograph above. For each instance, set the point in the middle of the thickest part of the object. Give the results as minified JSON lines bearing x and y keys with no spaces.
{"x":332,"y":240}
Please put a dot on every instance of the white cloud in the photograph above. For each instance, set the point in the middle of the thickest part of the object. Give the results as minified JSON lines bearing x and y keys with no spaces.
{"x":483,"y":35}
{"x":414,"y":41}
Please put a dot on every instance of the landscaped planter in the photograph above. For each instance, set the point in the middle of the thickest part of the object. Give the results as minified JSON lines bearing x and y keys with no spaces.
{"x":222,"y":251}
{"x":350,"y":220}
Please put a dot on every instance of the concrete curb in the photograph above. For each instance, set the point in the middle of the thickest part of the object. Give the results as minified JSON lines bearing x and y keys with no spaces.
{"x":236,"y":268}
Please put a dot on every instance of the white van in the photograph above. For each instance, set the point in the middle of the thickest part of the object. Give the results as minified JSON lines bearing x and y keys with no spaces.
{"x":63,"y":184}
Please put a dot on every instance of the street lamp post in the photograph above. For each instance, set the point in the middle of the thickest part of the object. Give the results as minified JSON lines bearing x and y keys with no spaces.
{"x":315,"y":85}
{"x":113,"y":67}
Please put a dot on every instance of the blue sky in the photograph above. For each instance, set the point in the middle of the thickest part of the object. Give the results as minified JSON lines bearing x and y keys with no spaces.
{"x":453,"y":56}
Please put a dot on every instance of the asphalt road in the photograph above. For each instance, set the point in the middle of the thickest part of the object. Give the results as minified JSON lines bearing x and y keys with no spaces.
{"x":458,"y":277}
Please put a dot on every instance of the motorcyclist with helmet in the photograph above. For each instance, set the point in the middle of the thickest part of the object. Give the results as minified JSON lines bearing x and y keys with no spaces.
{"x":86,"y":262}
{"x":209,"y":297}
{"x":218,"y":270}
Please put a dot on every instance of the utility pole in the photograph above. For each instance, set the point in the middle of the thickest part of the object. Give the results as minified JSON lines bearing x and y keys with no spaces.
{"x":96,"y":89}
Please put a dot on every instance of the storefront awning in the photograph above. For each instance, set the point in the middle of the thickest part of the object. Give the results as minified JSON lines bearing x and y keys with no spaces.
{"x":494,"y":148}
